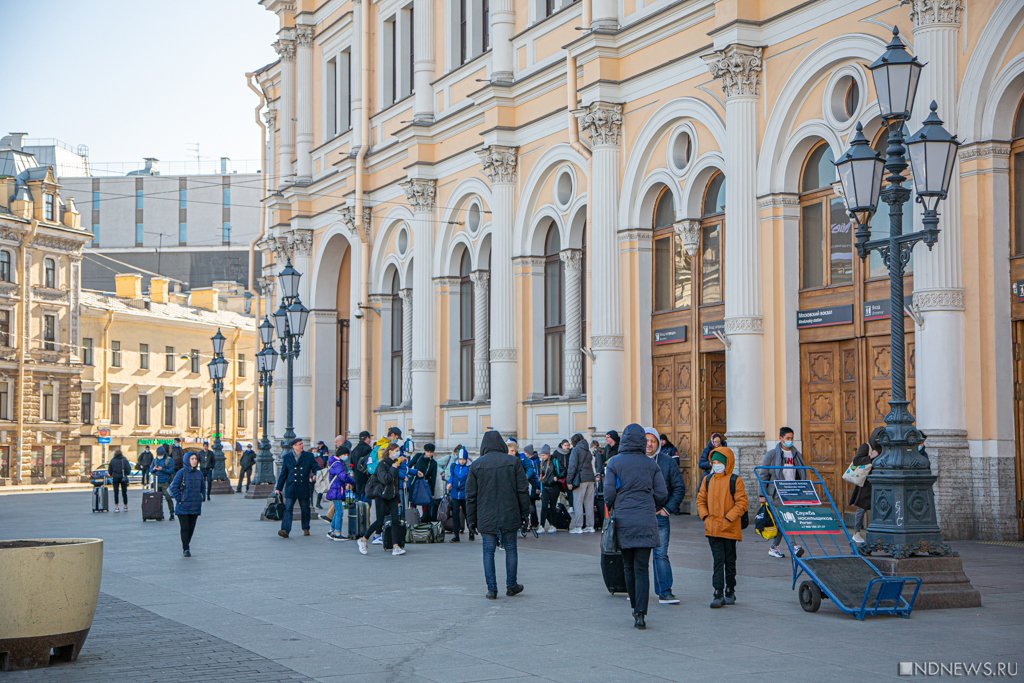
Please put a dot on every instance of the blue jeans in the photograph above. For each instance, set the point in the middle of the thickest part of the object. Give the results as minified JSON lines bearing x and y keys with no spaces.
{"x":508,"y":542}
{"x":662,"y":567}
{"x":339,"y":515}
{"x":289,"y":507}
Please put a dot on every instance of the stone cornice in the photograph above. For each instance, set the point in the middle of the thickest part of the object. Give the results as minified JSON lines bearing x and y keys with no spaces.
{"x":59,"y":243}
{"x":635,"y":235}
{"x":499,"y":163}
{"x":929,"y":13}
{"x":773,"y":200}
{"x":61,"y":296}
{"x":739,"y":68}
{"x":421,"y":193}
{"x":601,"y":122}
{"x":984,"y":150}
{"x":448,"y":281}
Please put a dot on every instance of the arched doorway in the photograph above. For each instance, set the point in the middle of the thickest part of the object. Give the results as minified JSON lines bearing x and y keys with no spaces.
{"x":330,"y":339}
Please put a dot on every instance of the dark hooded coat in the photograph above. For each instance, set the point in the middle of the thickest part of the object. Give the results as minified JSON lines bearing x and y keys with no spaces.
{"x":497,"y":491}
{"x":634,"y":489}
{"x":188,"y":489}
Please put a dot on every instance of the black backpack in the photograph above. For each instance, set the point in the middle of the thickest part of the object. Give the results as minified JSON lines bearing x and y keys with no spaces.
{"x":745,"y":519}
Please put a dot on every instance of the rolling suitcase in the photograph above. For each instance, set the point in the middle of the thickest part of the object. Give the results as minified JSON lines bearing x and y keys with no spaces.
{"x":100,"y":499}
{"x":613,"y":573}
{"x":391,"y":534}
{"x":562,"y":518}
{"x":152,"y":506}
{"x":358,"y":518}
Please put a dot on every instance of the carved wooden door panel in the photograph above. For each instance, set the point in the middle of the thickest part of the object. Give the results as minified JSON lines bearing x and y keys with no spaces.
{"x":712,"y":396}
{"x":821,"y":382}
{"x":673,"y":407}
{"x":1018,"y":414}
{"x":879,"y":381}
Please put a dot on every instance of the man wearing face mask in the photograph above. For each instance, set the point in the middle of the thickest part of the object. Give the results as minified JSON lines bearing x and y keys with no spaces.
{"x":676,"y":489}
{"x":786,"y":456}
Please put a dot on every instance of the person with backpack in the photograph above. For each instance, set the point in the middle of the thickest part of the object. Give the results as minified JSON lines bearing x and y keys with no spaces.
{"x":178,"y":454}
{"x":548,"y":476}
{"x":457,"y":476}
{"x":295,"y":480}
{"x":320,"y":455}
{"x":425,"y":468}
{"x":245,"y":465}
{"x":357,"y":460}
{"x":384,"y":488}
{"x":786,"y":456}
{"x":119,"y":470}
{"x":581,"y":478}
{"x":163,"y":473}
{"x":561,"y":458}
{"x":721,"y":504}
{"x":340,"y":481}
{"x":634,"y":490}
{"x":144,"y":464}
{"x":528,"y":457}
{"x":674,"y":482}
{"x":188,"y":490}
{"x":860,"y":498}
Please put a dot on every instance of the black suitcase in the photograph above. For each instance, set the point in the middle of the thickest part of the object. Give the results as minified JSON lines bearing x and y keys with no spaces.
{"x":358,"y":518}
{"x":562,"y":518}
{"x":152,"y":506}
{"x":613,"y":573}
{"x":100,"y":499}
{"x":391,"y":534}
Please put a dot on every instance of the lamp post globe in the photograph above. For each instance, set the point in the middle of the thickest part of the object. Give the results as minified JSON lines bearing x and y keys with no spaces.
{"x":266,"y":331}
{"x":289,"y":279}
{"x":896,"y":74}
{"x":860,"y":172}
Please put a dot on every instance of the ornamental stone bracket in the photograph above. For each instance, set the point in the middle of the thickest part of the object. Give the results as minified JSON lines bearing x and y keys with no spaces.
{"x":59,"y":243}
{"x":348,"y":217}
{"x":499,"y":163}
{"x":738,"y":67}
{"x":8,"y":289}
{"x":929,"y":13}
{"x":265,"y":285}
{"x":938,"y":300}
{"x":688,"y":230}
{"x":744,"y":325}
{"x":285,"y":49}
{"x":59,"y":296}
{"x":421,"y":193}
{"x":601,"y":122}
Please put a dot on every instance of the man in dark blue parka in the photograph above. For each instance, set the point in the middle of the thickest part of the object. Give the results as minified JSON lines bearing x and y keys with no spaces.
{"x":295,"y":481}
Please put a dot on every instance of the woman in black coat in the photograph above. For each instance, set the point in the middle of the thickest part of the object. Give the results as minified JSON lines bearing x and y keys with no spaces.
{"x":861,"y":496}
{"x":634,"y":490}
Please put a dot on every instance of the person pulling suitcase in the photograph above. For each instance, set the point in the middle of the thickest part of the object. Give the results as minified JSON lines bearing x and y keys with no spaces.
{"x":163,"y":473}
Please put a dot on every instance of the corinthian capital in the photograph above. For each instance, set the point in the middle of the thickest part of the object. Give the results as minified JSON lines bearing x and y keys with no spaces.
{"x":285,"y":49}
{"x":739,"y":68}
{"x":421,"y":193}
{"x":601,"y":122}
{"x":926,"y":13}
{"x":572,"y":258}
{"x":499,"y":163}
{"x":304,"y":35}
{"x":348,"y":217}
{"x":300,"y":242}
{"x":270,"y":118}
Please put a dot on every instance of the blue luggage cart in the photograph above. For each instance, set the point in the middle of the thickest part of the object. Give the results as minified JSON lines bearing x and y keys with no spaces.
{"x":822,"y":549}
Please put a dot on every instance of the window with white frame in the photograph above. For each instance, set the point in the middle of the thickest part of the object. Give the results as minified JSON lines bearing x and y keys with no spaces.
{"x":115,"y":354}
{"x":169,"y":411}
{"x":143,"y":410}
{"x":398,"y":45}
{"x":115,"y":408}
{"x":240,"y":364}
{"x":49,"y":332}
{"x":240,"y":413}
{"x":542,"y":9}
{"x":49,"y":212}
{"x":470,"y":30}
{"x":48,"y":402}
{"x":193,"y":411}
{"x":144,"y":356}
{"x":5,"y":400}
{"x":338,"y":93}
{"x":87,"y":346}
{"x":49,"y":273}
{"x":193,"y":361}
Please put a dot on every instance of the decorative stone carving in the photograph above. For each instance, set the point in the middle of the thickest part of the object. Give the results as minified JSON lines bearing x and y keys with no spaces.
{"x":270,"y":118}
{"x":506,"y":355}
{"x":607,"y":342}
{"x":59,"y":243}
{"x":984,"y":150}
{"x":635,"y":235}
{"x":601,"y":122}
{"x":52,"y":295}
{"x":300,"y":242}
{"x":285,"y":49}
{"x":744,"y":325}
{"x":499,"y":163}
{"x":423,"y":364}
{"x":739,"y":68}
{"x":572,"y":260}
{"x":265,"y":285}
{"x":8,"y":289}
{"x":925,"y":13}
{"x":481,"y":334}
{"x":304,"y":35}
{"x":348,"y":217}
{"x":774,"y":200}
{"x":421,"y":193}
{"x":688,"y":230}
{"x":939,"y":300}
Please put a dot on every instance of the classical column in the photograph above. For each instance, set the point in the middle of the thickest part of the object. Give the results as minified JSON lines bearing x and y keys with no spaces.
{"x":304,"y":104}
{"x":407,"y":323}
{"x":286,"y":142}
{"x":270,"y":118}
{"x":499,"y":165}
{"x":322,"y":346}
{"x":602,"y":123}
{"x":356,"y":86}
{"x":300,"y":242}
{"x":481,"y":336}
{"x":503,"y":16}
{"x":423,"y":61}
{"x":938,"y":283}
{"x":421,"y":194}
{"x":356,"y":421}
{"x":572,"y":379}
{"x":604,"y":15}
{"x":739,"y":68}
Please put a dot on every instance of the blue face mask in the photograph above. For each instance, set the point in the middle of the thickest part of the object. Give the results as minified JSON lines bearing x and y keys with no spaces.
{"x":787,"y":444}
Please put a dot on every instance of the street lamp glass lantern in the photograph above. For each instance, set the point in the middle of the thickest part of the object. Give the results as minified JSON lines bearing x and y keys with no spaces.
{"x":933,"y":153}
{"x":266,"y":331}
{"x":218,"y":368}
{"x":860,"y":171}
{"x":297,"y":316}
{"x":289,"y":279}
{"x":261,"y":361}
{"x":281,"y":321}
{"x":271,"y":358}
{"x":896,"y":74}
{"x":218,"y":342}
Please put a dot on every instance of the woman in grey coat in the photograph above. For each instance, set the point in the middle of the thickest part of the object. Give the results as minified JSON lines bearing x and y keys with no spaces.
{"x":634,"y":489}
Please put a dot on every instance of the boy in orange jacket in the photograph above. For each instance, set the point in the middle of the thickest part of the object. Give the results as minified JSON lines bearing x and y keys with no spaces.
{"x":721,"y":502}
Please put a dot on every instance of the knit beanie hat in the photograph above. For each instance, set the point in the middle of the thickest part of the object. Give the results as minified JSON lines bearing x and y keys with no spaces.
{"x":545,"y":450}
{"x":720,"y":457}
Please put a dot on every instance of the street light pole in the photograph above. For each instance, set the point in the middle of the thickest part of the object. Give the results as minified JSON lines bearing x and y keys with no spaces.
{"x":218,"y":369}
{"x":903,"y":516}
{"x":290,"y":323}
{"x":266,"y":361}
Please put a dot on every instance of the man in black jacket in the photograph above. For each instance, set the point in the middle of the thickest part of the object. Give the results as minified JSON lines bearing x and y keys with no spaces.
{"x":357,"y":458}
{"x":676,"y":489}
{"x":245,"y":465}
{"x":177,"y":454}
{"x":206,"y":463}
{"x":295,"y":480}
{"x":144,"y":463}
{"x":497,"y":505}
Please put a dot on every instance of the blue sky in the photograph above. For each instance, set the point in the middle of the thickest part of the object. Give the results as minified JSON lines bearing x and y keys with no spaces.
{"x":135,"y":78}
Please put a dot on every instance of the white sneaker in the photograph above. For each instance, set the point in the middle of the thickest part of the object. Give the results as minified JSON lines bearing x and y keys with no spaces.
{"x":362,"y":546}
{"x":397,"y":551}
{"x":775,"y":552}
{"x":588,"y":530}
{"x":860,"y":537}
{"x":552,"y":529}
{"x":576,"y":530}
{"x":117,"y":509}
{"x":377,"y":540}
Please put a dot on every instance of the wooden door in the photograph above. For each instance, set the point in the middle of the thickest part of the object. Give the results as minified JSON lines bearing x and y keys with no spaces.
{"x":879,"y":381}
{"x":341,"y":417}
{"x":712,"y":408}
{"x":673,"y":404}
{"x":1018,"y":415}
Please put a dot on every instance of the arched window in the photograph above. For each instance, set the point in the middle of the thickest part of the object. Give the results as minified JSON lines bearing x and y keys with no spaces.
{"x":826,"y":233}
{"x":396,"y":341}
{"x":49,"y":273}
{"x":554,"y":313}
{"x":466,"y":339}
{"x":6,"y":273}
{"x":880,"y":220}
{"x":672,"y":274}
{"x":712,"y":226}
{"x":1017,"y":182}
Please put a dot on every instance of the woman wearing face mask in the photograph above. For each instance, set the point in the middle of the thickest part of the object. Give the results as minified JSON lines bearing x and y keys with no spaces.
{"x":721,"y":502}
{"x":714,"y":442}
{"x":188,"y":489}
{"x":861,"y":496}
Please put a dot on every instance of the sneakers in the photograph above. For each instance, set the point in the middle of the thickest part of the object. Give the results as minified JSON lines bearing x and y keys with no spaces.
{"x":588,"y":530}
{"x":775,"y":552}
{"x":860,"y":537}
{"x":514,"y":590}
{"x":186,"y":553}
{"x":397,"y":551}
{"x":717,"y":601}
{"x":455,"y":540}
{"x":324,"y":518}
{"x":363,"y":545}
{"x":282,"y":533}
{"x":576,"y":530}
{"x":730,"y":597}
{"x":336,"y":537}
{"x":117,"y":509}
{"x":552,"y":530}
{"x":668,"y":599}
{"x":798,"y":550}
{"x":377,"y":540}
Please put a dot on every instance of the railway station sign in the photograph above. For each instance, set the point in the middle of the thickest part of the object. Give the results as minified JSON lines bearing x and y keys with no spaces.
{"x":807,"y":519}
{"x":824,"y":316}
{"x":670,"y":335}
{"x":797,"y":492}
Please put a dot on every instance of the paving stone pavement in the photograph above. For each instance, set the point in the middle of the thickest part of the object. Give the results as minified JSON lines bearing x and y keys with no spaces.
{"x":251,"y":606}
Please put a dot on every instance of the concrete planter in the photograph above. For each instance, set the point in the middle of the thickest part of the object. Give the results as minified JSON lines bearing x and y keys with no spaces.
{"x":48,"y":593}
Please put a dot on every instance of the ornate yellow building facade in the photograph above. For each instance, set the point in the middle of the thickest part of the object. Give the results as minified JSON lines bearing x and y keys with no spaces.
{"x":546,"y":217}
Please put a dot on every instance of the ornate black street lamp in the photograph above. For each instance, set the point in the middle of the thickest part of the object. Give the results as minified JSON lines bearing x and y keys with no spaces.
{"x":289,"y":323}
{"x":266,"y":362}
{"x":218,"y":368}
{"x":903,"y":519}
